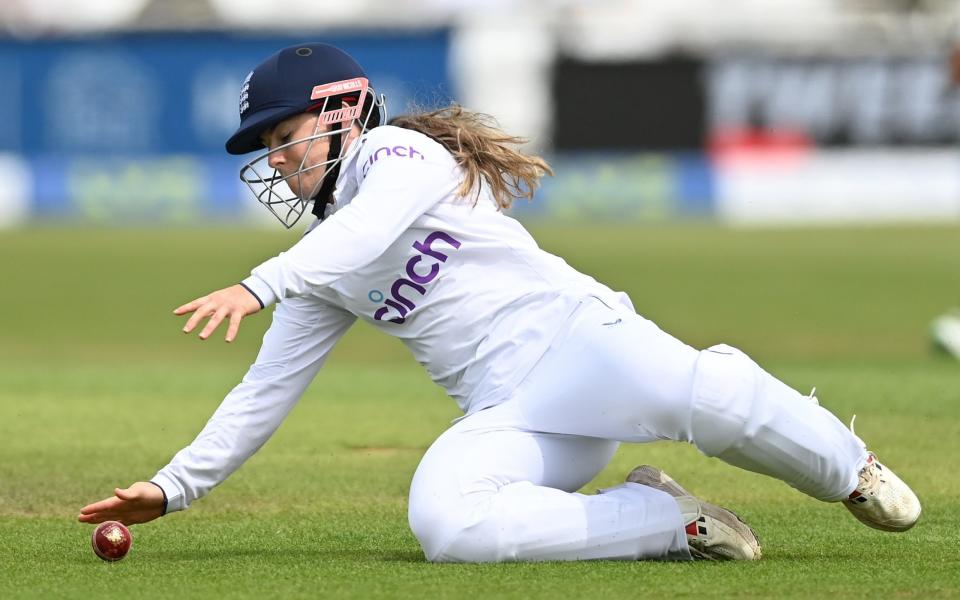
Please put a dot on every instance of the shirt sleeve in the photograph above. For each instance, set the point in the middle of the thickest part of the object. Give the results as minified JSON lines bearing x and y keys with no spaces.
{"x":403,"y":176}
{"x":297,"y":344}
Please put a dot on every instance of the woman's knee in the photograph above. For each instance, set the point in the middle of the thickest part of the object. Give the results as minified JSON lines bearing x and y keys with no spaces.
{"x":464,"y":532}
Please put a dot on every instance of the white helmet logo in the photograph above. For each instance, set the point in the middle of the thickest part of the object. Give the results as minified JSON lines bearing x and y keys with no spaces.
{"x":245,"y":94}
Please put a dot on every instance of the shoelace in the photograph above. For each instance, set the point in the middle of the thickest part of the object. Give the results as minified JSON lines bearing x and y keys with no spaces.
{"x":869,"y":476}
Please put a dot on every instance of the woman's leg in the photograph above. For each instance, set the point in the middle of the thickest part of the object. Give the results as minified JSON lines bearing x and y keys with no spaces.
{"x":615,"y":375}
{"x":490,"y":489}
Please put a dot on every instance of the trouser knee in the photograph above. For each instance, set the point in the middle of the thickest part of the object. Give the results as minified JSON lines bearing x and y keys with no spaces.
{"x":464,"y":533}
{"x":726,"y":385}
{"x":733,"y":399}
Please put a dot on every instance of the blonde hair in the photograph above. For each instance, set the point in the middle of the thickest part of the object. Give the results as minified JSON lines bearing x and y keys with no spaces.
{"x":485,"y":152}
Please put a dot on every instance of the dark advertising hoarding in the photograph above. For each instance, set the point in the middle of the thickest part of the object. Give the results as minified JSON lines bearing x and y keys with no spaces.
{"x":680,"y":103}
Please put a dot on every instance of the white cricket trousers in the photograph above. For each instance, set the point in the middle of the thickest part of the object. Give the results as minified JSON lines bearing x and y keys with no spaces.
{"x":500,"y":484}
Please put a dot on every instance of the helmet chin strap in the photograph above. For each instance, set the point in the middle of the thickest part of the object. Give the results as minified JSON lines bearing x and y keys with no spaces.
{"x":325,"y":194}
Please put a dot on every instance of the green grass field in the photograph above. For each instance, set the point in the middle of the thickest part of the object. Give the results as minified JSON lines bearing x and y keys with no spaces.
{"x":99,"y":388}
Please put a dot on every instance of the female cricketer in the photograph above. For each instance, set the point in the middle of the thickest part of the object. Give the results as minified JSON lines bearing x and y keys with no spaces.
{"x":551,"y":368}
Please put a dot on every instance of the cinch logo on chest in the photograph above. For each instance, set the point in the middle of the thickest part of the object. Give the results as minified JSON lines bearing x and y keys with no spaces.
{"x":403,"y":151}
{"x":416,"y":277}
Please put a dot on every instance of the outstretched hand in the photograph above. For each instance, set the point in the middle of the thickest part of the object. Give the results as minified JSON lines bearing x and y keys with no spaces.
{"x":233,"y":303}
{"x":139,"y":503}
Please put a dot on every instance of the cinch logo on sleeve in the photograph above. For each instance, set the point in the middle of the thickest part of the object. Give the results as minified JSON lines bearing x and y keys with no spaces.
{"x":416,"y":275}
{"x":402,"y":151}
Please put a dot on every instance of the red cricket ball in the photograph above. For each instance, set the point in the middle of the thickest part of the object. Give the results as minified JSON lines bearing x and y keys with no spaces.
{"x":111,"y":540}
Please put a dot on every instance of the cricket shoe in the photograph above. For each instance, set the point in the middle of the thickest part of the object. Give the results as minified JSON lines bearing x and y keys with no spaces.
{"x":882,"y":500}
{"x":713,"y":532}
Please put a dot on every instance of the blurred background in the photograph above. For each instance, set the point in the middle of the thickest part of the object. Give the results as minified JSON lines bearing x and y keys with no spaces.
{"x":795,"y":111}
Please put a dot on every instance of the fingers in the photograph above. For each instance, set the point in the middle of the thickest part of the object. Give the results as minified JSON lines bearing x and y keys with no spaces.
{"x":97,"y":517}
{"x":200,"y":313}
{"x":191,"y":306}
{"x":127,"y":518}
{"x":126,"y":494}
{"x":98,"y":512}
{"x":234,"y":303}
{"x":139,"y":503}
{"x":215,"y":319}
{"x":110,"y":503}
{"x":234,"y":326}
{"x":93,"y":517}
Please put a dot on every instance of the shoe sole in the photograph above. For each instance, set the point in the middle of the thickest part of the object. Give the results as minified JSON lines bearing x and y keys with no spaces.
{"x":651,"y":476}
{"x":892,"y":526}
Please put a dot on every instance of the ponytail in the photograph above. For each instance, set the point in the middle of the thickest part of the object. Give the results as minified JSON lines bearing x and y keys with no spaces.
{"x":486,"y":153}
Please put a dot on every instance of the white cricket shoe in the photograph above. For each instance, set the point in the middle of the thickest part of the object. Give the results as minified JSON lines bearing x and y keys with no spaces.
{"x":713,"y":532}
{"x":882,"y":500}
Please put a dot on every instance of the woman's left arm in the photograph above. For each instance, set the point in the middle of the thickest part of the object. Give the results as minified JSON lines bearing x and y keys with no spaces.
{"x":295,"y":347}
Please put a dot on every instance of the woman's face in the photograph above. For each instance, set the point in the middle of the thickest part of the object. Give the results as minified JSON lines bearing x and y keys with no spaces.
{"x":289,"y":160}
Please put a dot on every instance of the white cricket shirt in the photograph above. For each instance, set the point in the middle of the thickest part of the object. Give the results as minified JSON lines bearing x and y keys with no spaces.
{"x":464,"y":286}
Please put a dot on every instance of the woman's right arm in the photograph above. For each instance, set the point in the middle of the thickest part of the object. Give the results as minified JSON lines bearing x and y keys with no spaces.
{"x":294,"y":348}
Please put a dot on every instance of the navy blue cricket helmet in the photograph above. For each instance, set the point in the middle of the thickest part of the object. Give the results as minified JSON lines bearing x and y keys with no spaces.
{"x":286,"y":84}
